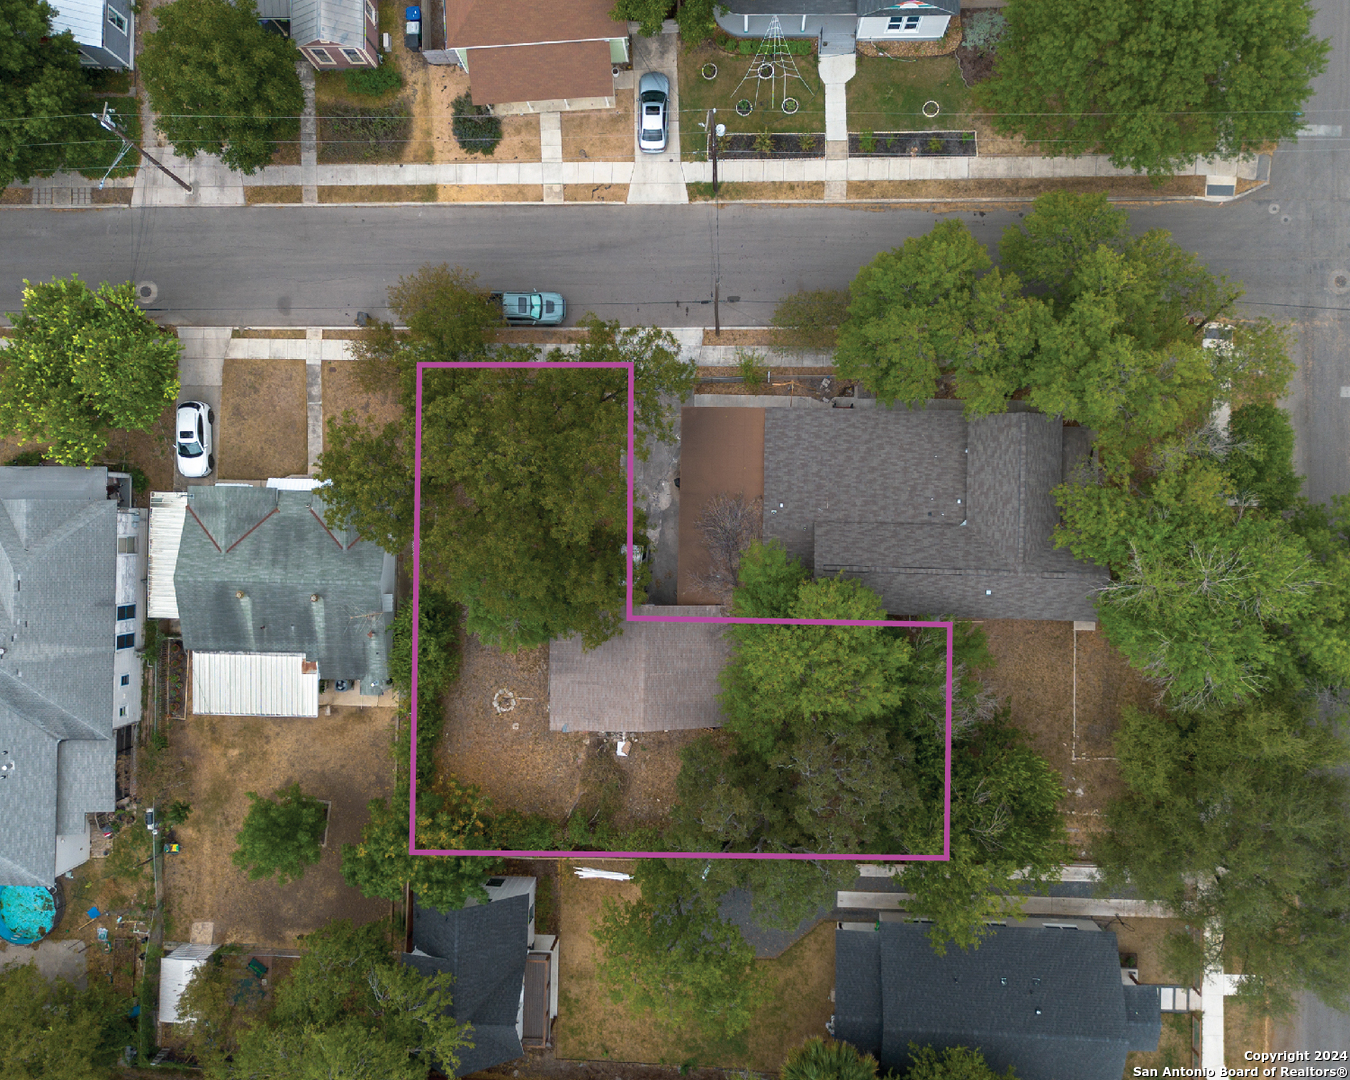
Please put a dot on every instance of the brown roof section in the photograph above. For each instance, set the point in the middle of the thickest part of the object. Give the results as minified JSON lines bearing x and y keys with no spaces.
{"x":721,"y":452}
{"x":472,"y":24}
{"x":577,"y":69}
{"x":656,"y":676}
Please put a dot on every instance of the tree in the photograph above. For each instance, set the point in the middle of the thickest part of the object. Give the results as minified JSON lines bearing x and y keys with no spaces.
{"x":350,"y":1009}
{"x":221,"y":84}
{"x":696,"y":20}
{"x":41,"y":87}
{"x":437,"y":646}
{"x":281,"y":835}
{"x":1156,"y":84}
{"x":475,"y":127}
{"x":673,"y":958}
{"x":1235,"y":819}
{"x":218,"y":1012}
{"x":923,"y":311}
{"x":82,"y":363}
{"x":809,"y":320}
{"x":1260,"y":463}
{"x":51,"y":1030}
{"x":817,"y":1059}
{"x":448,"y":818}
{"x":952,"y":1063}
{"x":650,"y":14}
{"x":1046,"y":248}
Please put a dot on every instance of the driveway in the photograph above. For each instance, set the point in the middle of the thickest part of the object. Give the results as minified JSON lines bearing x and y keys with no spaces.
{"x":657,"y":177}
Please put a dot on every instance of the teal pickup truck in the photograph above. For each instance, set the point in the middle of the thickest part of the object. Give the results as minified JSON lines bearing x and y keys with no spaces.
{"x":532,"y":308}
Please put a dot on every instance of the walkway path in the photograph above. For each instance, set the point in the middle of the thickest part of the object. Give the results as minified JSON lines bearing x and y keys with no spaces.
{"x":550,"y":153}
{"x":835,"y":72}
{"x":309,"y":137}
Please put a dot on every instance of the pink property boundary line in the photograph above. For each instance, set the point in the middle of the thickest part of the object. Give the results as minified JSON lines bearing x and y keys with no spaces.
{"x":413,"y":849}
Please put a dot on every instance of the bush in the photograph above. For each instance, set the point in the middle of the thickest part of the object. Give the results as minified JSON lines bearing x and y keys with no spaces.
{"x":867,"y":142}
{"x":281,"y":835}
{"x":28,"y":457}
{"x":985,"y":30}
{"x":806,"y":143}
{"x":351,"y":134}
{"x":750,"y":365}
{"x":475,"y":128}
{"x":750,"y":46}
{"x":764,"y":143}
{"x":373,"y":82}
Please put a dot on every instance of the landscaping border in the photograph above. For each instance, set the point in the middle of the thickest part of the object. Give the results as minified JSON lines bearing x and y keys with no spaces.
{"x":913,"y":144}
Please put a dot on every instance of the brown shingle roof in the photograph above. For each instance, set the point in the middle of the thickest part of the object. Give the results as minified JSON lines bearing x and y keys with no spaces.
{"x":576,"y":69}
{"x":471,"y":24}
{"x":656,"y":676}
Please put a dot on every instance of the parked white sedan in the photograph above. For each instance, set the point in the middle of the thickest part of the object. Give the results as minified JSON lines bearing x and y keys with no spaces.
{"x":194,"y":439}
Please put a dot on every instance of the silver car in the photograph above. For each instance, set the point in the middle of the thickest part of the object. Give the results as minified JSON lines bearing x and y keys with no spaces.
{"x":653,"y":112}
{"x":193,"y":440}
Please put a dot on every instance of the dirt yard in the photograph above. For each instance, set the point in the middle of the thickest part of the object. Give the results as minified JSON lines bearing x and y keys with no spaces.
{"x":591,"y":1026}
{"x":435,"y":89}
{"x":600,"y":134}
{"x":1067,"y":689}
{"x":342,"y":757}
{"x":262,"y":427}
{"x":342,"y":391}
{"x":612,"y":193}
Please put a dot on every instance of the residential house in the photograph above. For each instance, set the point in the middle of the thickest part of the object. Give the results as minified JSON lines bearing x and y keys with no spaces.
{"x":330,"y":34}
{"x":105,"y":30}
{"x":270,"y":598}
{"x":655,"y":676}
{"x":1048,"y":1000}
{"x":937,"y":514}
{"x":839,"y":24}
{"x":71,"y":614}
{"x":528,"y":57}
{"x":506,"y":975}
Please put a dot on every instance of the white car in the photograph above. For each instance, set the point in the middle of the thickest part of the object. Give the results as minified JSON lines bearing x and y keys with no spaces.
{"x":194,"y":439}
{"x":654,"y":115}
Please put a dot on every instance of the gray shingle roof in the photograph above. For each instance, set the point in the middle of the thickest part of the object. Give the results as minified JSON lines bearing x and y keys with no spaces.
{"x":58,"y":559}
{"x":273,"y":546}
{"x":484,"y":948}
{"x":1048,"y":1002}
{"x":881,"y":494}
{"x":655,"y":676}
{"x":342,"y":22}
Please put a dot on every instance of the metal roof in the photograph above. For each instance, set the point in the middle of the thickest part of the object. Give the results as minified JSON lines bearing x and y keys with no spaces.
{"x":175,"y":972}
{"x":340,"y":22}
{"x":83,"y":18}
{"x":168,"y":510}
{"x":254,"y":684}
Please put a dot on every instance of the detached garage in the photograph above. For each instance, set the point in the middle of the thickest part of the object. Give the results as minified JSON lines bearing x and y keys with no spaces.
{"x":175,"y":972}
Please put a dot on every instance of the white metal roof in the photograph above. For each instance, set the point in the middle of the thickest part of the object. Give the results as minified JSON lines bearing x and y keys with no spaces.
{"x":254,"y":684}
{"x":83,"y":18}
{"x":175,"y":972}
{"x":295,"y":483}
{"x":168,"y":509}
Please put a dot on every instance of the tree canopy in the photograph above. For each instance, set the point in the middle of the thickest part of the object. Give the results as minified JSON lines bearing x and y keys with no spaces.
{"x":52,"y":1030}
{"x":1154,"y":84}
{"x":281,"y":835}
{"x":41,"y":87}
{"x":82,"y":363}
{"x":221,"y":84}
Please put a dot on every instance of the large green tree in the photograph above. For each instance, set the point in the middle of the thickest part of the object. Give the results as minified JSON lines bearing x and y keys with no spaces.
{"x":221,"y":84}
{"x":82,"y":363}
{"x":51,"y":1030}
{"x":1154,"y":84}
{"x":281,"y":835}
{"x":350,"y":1010}
{"x":672,"y":957}
{"x":1236,"y":818}
{"x":41,"y":87}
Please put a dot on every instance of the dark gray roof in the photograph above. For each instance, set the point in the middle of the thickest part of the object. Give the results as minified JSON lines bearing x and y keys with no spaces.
{"x":273,"y":546}
{"x":58,"y":565}
{"x":1048,"y":1002}
{"x":484,"y":947}
{"x":737,"y":906}
{"x":882,"y":494}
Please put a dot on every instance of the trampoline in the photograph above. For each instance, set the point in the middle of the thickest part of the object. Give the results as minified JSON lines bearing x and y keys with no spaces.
{"x":27,"y":913}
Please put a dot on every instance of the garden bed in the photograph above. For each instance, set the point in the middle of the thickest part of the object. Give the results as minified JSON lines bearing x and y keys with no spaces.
{"x":737,"y":145}
{"x":912,"y":144}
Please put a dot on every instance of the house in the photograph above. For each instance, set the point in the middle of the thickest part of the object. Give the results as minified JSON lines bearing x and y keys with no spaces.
{"x":655,"y":676}
{"x":71,"y":610}
{"x":840,"y":23}
{"x":175,"y":972}
{"x":330,"y":34}
{"x":270,"y":598}
{"x":1049,"y":1000}
{"x":528,"y":57}
{"x":506,"y":976}
{"x":105,"y":30}
{"x":936,"y":514}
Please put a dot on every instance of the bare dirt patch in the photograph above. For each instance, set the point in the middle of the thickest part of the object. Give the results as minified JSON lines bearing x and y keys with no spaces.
{"x":796,"y":190}
{"x":434,"y":111}
{"x":281,"y":193}
{"x":262,"y":419}
{"x":1105,"y":686}
{"x":110,"y":196}
{"x":16,"y":196}
{"x":342,"y":391}
{"x":1024,"y":187}
{"x":592,"y":1027}
{"x":378,"y":193}
{"x":150,"y":451}
{"x":614,"y":193}
{"x":342,"y":757}
{"x":1244,"y":185}
{"x":600,"y":134}
{"x":485,"y":193}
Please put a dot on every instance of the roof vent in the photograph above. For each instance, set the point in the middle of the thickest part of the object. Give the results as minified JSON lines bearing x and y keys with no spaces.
{"x":313,"y":598}
{"x":239,"y":594}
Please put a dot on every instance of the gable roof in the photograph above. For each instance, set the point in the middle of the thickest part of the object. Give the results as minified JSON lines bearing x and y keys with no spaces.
{"x":83,"y":18}
{"x":58,"y":566}
{"x":273,"y":546}
{"x":655,"y":676}
{"x":936,"y":514}
{"x":1048,"y":1002}
{"x":342,"y":22}
{"x":909,"y":7}
{"x":568,"y":69}
{"x":484,"y":947}
{"x":474,"y":24}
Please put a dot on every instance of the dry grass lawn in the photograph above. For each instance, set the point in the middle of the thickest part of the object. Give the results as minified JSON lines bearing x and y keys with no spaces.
{"x":342,"y":391}
{"x":436,"y":89}
{"x":600,"y":134}
{"x":613,"y":193}
{"x":16,"y":196}
{"x":592,"y":1027}
{"x":343,"y":757}
{"x":262,"y":429}
{"x":377,"y":193}
{"x":796,"y":190}
{"x":281,"y":193}
{"x":486,"y":193}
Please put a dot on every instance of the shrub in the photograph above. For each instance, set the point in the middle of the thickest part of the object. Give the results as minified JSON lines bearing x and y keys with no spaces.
{"x":28,"y":457}
{"x":373,"y":82}
{"x":750,"y":365}
{"x":985,"y":30}
{"x":806,"y":143}
{"x":350,"y":133}
{"x":281,"y":835}
{"x":475,"y":128}
{"x":764,"y":143}
{"x":867,"y":142}
{"x":935,"y":145}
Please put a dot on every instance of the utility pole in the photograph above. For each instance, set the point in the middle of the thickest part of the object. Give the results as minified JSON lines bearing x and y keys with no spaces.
{"x":712,"y":147}
{"x":105,"y":122}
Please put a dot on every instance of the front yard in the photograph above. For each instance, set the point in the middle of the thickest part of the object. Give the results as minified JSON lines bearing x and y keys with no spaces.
{"x":262,"y":429}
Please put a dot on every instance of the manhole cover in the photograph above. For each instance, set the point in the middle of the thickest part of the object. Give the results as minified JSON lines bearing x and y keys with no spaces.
{"x":733,"y":299}
{"x":503,"y":701}
{"x":146,"y":292}
{"x":1340,"y":281}
{"x":1274,"y":208}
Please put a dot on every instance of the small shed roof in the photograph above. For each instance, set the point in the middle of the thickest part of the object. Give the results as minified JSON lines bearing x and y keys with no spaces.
{"x":568,"y":69}
{"x":655,"y":676}
{"x":175,"y":972}
{"x":254,"y":684}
